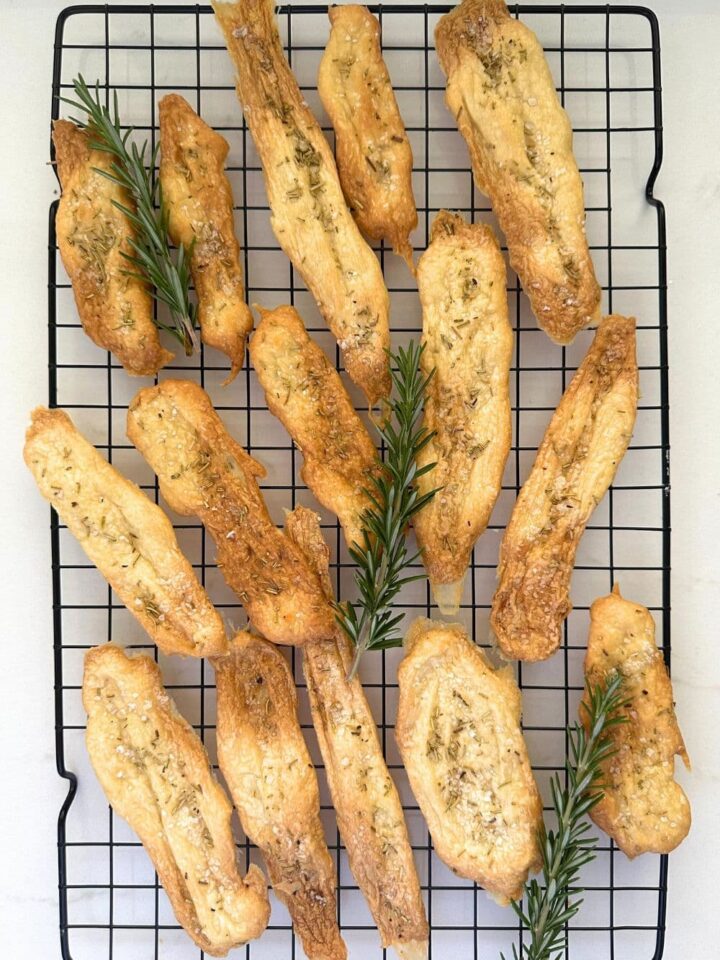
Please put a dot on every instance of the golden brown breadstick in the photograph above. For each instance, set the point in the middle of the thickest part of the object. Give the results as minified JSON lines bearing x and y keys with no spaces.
{"x":369,"y":812}
{"x":126,"y":536}
{"x":503,"y":98}
{"x":643,"y":809}
{"x":575,"y":464}
{"x":204,"y":472}
{"x":458,"y":730}
{"x":305,"y":392}
{"x":157,"y":776}
{"x":373,"y":153}
{"x":92,"y":234}
{"x":468,"y":343}
{"x":309,"y":215}
{"x":200,"y":204}
{"x":272,"y":781}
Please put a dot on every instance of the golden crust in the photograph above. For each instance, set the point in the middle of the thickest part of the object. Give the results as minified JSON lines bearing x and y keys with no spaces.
{"x":157,"y":776}
{"x":503,"y":98}
{"x":458,"y":730}
{"x":575,"y":464}
{"x":642,"y":809}
{"x":92,"y":234}
{"x":468,"y":342}
{"x":272,"y":780}
{"x":369,"y":812}
{"x":305,"y":392}
{"x":126,"y":536}
{"x":200,"y":204}
{"x":309,"y":216}
{"x":204,"y":472}
{"x":372,"y":149}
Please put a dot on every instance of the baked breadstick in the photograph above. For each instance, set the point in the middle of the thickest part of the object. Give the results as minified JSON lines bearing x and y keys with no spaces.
{"x":468,"y":343}
{"x":373,"y":153}
{"x":126,"y":536}
{"x":502,"y":95}
{"x":157,"y":776}
{"x":309,"y":216}
{"x":575,"y":464}
{"x":458,"y":730}
{"x":305,"y":392}
{"x":200,"y":204}
{"x":272,"y":780}
{"x":643,"y":809}
{"x":369,"y":812}
{"x":205,"y":473}
{"x":92,"y":234}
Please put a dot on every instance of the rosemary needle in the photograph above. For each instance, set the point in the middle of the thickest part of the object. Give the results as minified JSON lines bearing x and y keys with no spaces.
{"x":382,"y":557}
{"x":553,"y":902}
{"x":150,"y":257}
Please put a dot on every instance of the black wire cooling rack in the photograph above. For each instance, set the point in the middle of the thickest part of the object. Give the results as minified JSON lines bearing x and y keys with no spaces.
{"x":606,"y":61}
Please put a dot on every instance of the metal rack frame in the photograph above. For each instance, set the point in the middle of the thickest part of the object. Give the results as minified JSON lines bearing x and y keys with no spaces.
{"x":563,"y":691}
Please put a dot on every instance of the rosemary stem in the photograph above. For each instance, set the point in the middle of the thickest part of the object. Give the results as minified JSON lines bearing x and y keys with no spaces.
{"x":368,"y":621}
{"x":132,"y":169}
{"x":190,"y":342}
{"x":553,"y":901}
{"x":359,"y":650}
{"x":381,"y":559}
{"x":565,"y":820}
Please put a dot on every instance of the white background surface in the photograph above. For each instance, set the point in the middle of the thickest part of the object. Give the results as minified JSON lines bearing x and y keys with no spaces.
{"x":689,"y":185}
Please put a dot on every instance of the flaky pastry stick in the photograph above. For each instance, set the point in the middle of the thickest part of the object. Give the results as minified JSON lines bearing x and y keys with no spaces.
{"x":304,"y":390}
{"x":503,"y":98}
{"x":575,"y":464}
{"x":372,"y":149}
{"x":156,"y":775}
{"x":115,"y":308}
{"x":642,"y":808}
{"x":468,"y":343}
{"x":205,"y":473}
{"x":126,"y":536}
{"x":308,"y":211}
{"x":458,"y":730}
{"x":369,"y":812}
{"x":272,"y":781}
{"x":200,"y":205}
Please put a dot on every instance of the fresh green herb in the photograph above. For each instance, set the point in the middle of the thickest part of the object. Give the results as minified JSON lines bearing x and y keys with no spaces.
{"x":552,"y":903}
{"x":150,"y":257}
{"x":394,"y":500}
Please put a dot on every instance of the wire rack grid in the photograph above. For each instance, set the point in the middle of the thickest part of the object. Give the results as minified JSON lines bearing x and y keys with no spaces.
{"x":606,"y":63}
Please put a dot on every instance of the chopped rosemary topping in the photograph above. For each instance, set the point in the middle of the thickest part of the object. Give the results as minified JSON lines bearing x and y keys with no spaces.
{"x":150,"y":256}
{"x":382,"y":557}
{"x":548,"y":904}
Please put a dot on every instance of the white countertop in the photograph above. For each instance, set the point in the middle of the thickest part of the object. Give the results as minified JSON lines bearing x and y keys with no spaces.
{"x":689,"y":184}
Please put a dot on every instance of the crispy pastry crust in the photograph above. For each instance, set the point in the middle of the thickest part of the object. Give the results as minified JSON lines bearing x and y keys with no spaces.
{"x":458,"y":730}
{"x":272,"y":780}
{"x":205,"y":473}
{"x":369,"y":812}
{"x":309,"y":216}
{"x":305,"y":392}
{"x":372,"y":149}
{"x":642,"y":809}
{"x":126,"y":536}
{"x":200,"y":202}
{"x":468,"y":342}
{"x":503,"y":98}
{"x":575,"y":464}
{"x":115,"y":309}
{"x":157,"y":776}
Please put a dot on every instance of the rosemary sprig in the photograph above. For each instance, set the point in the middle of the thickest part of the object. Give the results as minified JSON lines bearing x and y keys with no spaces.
{"x":382,"y":557}
{"x":549,"y":904}
{"x":150,"y":257}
